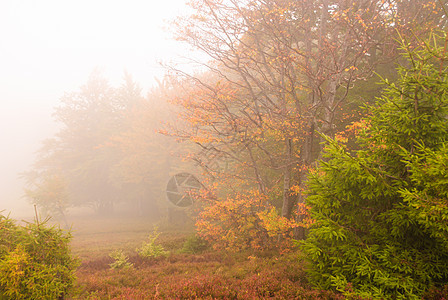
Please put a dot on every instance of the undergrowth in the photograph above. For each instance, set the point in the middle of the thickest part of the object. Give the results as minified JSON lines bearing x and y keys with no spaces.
{"x":210,"y":275}
{"x":193,"y":271}
{"x":35,"y":261}
{"x":151,"y":249}
{"x":121,"y":261}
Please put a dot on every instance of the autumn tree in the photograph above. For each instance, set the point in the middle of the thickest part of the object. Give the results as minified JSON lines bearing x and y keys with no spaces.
{"x":280,"y":72}
{"x":380,"y":212}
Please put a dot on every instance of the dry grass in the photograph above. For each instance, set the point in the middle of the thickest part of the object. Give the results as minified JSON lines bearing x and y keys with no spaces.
{"x":96,"y":237}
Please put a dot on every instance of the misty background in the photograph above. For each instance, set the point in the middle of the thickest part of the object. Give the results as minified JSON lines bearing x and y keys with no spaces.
{"x":49,"y":48}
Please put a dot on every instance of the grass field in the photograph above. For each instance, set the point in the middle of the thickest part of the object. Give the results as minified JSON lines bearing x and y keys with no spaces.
{"x":207,"y":274}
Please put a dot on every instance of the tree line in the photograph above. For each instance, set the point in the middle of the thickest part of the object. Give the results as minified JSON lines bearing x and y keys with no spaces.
{"x":107,"y":151}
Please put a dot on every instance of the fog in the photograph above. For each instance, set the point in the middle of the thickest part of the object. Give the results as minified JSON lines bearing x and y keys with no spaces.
{"x":49,"y":47}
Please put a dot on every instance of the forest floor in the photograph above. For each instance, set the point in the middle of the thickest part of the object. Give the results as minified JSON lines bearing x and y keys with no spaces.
{"x":206,"y":274}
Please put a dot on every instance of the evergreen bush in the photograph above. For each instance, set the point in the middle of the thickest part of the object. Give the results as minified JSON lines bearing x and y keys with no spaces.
{"x":381,"y":213}
{"x":194,"y":245}
{"x":35,"y":261}
{"x":150,"y":249}
{"x":121,"y":261}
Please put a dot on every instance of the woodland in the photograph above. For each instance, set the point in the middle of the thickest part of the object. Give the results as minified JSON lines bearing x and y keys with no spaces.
{"x":319,"y":132}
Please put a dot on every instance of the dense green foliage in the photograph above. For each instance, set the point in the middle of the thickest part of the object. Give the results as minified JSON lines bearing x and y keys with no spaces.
{"x":35,"y":261}
{"x":381,"y":213}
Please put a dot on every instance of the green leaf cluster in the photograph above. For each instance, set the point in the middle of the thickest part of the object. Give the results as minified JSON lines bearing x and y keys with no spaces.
{"x":150,"y":249}
{"x":35,"y":261}
{"x":381,"y":213}
{"x":121,"y":261}
{"x":194,"y":245}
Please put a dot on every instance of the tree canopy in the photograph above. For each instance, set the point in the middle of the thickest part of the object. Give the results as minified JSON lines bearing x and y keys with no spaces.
{"x":280,"y":74}
{"x":106,"y":151}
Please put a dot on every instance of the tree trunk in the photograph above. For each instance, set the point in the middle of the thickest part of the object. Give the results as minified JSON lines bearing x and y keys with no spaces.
{"x":307,"y":159}
{"x":288,"y":201}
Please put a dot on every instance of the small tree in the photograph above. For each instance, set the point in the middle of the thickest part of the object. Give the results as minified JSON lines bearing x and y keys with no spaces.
{"x":35,"y":261}
{"x":381,"y":213}
{"x":121,"y":260}
{"x":150,"y":249}
{"x":49,"y":193}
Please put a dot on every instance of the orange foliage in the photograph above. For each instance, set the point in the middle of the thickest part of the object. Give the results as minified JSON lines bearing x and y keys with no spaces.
{"x":244,"y":221}
{"x":306,"y":220}
{"x":280,"y":72}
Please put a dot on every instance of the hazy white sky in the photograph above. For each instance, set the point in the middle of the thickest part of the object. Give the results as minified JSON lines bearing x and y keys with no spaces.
{"x":48,"y":47}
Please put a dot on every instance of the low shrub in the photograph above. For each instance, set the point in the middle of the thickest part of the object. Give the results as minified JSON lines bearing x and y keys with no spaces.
{"x":150,"y":249}
{"x":194,"y":245}
{"x":121,"y":261}
{"x":245,"y":221}
{"x":35,"y":261}
{"x":212,"y":275}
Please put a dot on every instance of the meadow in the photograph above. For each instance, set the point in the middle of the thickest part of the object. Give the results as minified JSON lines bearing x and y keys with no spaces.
{"x":188,"y":270}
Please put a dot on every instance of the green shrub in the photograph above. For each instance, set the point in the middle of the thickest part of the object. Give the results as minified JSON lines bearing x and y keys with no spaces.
{"x":194,"y":245}
{"x":120,"y":260}
{"x":381,"y":212}
{"x":35,"y":261}
{"x":150,"y":249}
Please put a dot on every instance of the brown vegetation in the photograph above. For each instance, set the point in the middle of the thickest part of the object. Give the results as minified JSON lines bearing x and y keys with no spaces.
{"x":206,"y":275}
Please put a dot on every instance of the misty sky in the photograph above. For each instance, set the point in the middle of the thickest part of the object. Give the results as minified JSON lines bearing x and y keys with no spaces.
{"x":48,"y":47}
